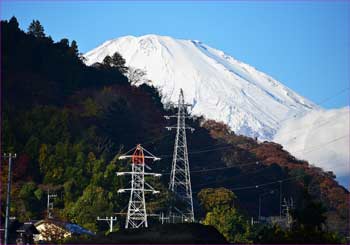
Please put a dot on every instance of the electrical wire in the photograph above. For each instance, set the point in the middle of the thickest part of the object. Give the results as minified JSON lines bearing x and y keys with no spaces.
{"x":223,"y":181}
{"x":319,"y":124}
{"x":321,"y":102}
{"x":258,"y":162}
{"x":256,"y":185}
{"x":306,"y":151}
{"x":220,"y":168}
{"x":202,"y":150}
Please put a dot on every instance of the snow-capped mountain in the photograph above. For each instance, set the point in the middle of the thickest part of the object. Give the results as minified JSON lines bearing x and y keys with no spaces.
{"x":219,"y":86}
{"x":321,"y":137}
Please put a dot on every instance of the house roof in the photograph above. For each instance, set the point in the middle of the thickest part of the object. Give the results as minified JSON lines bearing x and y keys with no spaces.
{"x":76,"y":229}
{"x":70,"y":227}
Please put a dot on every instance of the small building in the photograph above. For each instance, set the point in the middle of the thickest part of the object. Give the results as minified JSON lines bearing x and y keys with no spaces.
{"x":20,"y":233}
{"x":26,"y":233}
{"x":54,"y":230}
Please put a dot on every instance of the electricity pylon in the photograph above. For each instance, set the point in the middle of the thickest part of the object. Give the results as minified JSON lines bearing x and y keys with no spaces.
{"x":180,"y":180}
{"x":137,"y":215}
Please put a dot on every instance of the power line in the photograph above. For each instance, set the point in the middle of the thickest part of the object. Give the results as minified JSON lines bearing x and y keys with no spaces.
{"x":320,"y":103}
{"x":320,"y":124}
{"x":306,"y":151}
{"x":230,"y":146}
{"x":332,"y":96}
{"x":257,"y":162}
{"x":266,"y":184}
{"x":228,"y":167}
{"x":223,"y":148}
{"x":284,"y":133}
{"x":198,"y":152}
{"x":259,"y":185}
{"x":256,"y":186}
{"x":223,"y":181}
{"x":152,"y":141}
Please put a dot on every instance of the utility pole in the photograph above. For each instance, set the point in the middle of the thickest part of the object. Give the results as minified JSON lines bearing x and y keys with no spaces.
{"x":10,"y":156}
{"x":180,"y":179}
{"x":109,"y":220}
{"x":50,"y":204}
{"x":137,"y":215}
{"x":280,"y":198}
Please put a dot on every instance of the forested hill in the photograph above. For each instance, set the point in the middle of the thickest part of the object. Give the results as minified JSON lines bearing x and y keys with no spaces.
{"x":68,"y":122}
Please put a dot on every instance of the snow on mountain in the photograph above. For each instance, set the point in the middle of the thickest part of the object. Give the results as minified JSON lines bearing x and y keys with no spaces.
{"x":219,"y":86}
{"x":321,"y":137}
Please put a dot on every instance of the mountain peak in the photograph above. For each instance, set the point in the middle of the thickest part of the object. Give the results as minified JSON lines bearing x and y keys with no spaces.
{"x":220,"y":87}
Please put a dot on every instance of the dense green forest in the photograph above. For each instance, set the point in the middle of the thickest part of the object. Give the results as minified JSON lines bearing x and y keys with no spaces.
{"x":69,"y":122}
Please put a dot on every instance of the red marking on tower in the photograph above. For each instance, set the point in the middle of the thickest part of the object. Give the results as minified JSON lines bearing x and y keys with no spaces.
{"x":138,"y":157}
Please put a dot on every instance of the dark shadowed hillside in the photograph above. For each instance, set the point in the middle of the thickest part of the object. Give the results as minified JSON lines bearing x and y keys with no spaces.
{"x":161,"y":234}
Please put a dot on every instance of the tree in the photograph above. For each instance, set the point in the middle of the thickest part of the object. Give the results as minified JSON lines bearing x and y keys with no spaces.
{"x":92,"y":202}
{"x":271,"y":234}
{"x":223,"y":216}
{"x":311,"y":215}
{"x":91,"y":108}
{"x":13,"y":22}
{"x":20,"y":169}
{"x":43,"y":154}
{"x":107,"y":61}
{"x":64,"y":42}
{"x":229,"y":223}
{"x":30,"y":200}
{"x":119,"y":62}
{"x":36,"y":29}
{"x":136,"y":76}
{"x":210,"y":198}
{"x":74,"y":48}
{"x":31,"y":147}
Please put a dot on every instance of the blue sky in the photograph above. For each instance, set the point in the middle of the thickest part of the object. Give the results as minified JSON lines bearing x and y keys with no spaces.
{"x":303,"y":44}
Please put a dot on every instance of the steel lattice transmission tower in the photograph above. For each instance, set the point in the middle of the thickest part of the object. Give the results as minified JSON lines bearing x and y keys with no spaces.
{"x":180,"y":180}
{"x":137,"y":215}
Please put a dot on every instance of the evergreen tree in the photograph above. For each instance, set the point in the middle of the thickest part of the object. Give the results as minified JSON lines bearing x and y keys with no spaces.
{"x":36,"y":29}
{"x":116,"y":61}
{"x":107,"y":61}
{"x":13,"y":22}
{"x":64,"y":42}
{"x":119,"y":62}
{"x":74,"y":48}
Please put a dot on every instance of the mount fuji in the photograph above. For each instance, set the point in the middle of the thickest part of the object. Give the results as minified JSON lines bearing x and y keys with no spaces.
{"x":219,"y":86}
{"x":222,"y":88}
